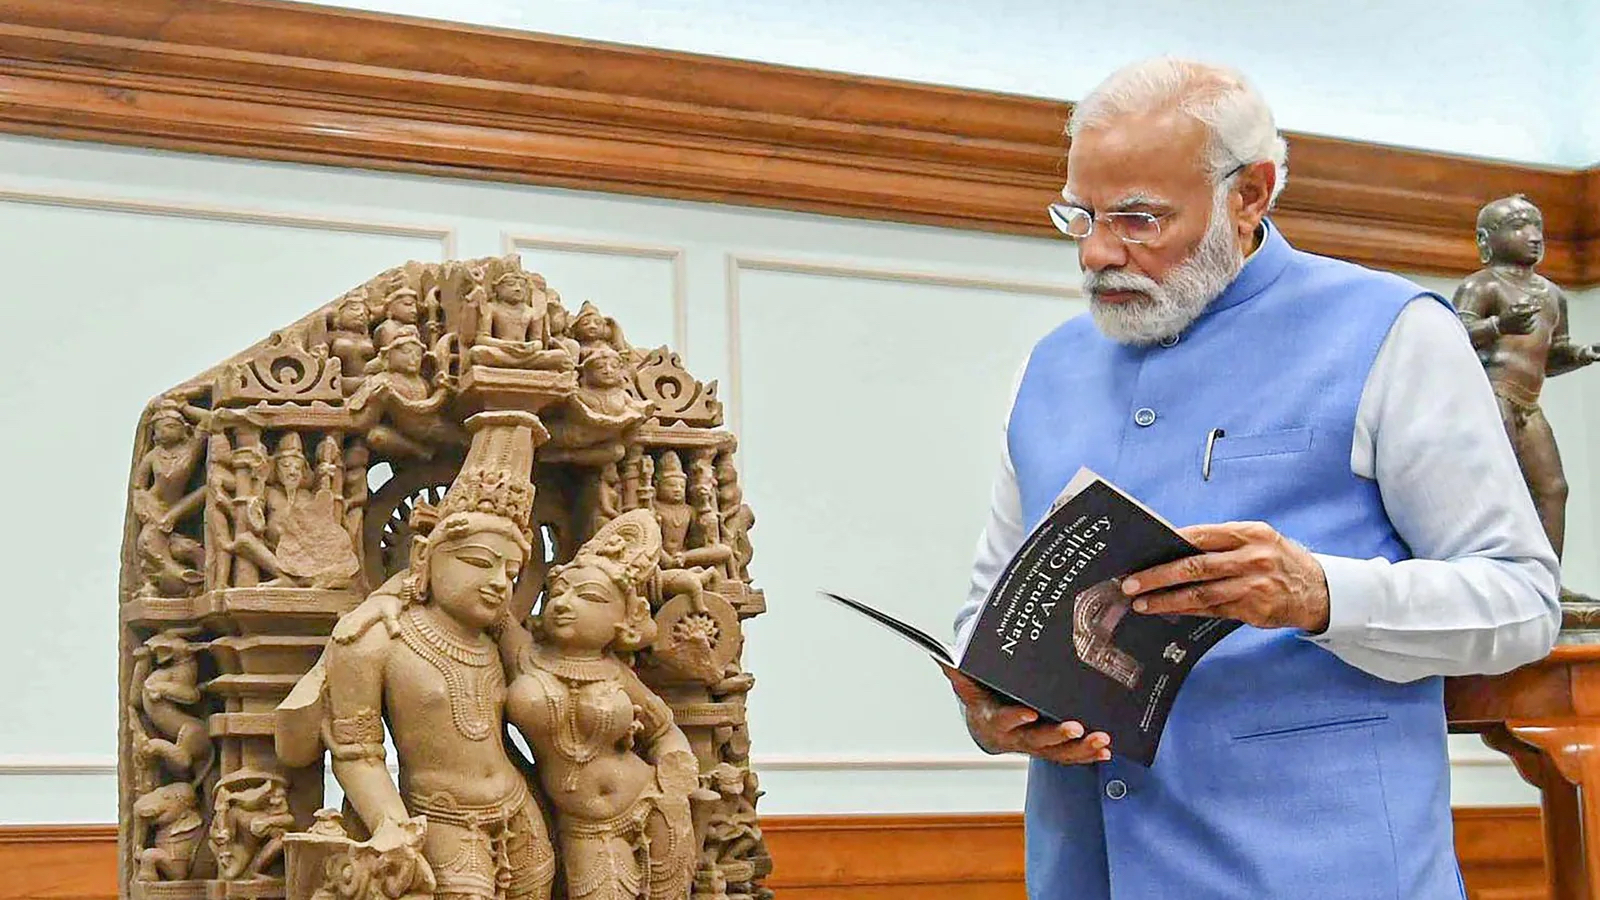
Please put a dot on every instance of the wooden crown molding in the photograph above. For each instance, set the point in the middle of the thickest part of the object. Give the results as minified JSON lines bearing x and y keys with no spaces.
{"x":263,"y":79}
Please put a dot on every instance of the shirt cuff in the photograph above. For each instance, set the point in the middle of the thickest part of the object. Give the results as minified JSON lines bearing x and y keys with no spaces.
{"x":1355,"y":588}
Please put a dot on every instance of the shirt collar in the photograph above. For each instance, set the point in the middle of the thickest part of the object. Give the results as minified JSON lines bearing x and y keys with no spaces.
{"x":1261,"y":268}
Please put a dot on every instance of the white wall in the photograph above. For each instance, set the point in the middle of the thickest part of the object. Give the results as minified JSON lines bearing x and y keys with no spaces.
{"x":1480,"y":77}
{"x":865,"y":366}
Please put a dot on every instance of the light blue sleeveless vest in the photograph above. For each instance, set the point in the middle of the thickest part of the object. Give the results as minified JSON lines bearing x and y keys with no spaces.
{"x":1283,"y":771}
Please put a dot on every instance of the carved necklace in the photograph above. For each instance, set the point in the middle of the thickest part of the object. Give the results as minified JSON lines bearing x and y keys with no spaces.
{"x":570,"y":676}
{"x":471,"y":673}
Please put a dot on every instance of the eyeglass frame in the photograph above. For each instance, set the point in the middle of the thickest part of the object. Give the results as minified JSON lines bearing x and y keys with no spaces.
{"x":1061,"y":209}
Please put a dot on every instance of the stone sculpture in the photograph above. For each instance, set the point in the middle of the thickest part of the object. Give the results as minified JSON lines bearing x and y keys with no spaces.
{"x":1517,"y":321}
{"x":339,"y":536}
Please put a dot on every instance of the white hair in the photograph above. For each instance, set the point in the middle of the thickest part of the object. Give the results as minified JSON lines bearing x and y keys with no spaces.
{"x":1237,"y":119}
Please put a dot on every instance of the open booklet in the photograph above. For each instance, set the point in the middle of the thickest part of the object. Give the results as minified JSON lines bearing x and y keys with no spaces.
{"x":1056,"y":633}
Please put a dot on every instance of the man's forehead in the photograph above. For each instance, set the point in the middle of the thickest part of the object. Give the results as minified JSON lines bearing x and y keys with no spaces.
{"x":1133,"y":158}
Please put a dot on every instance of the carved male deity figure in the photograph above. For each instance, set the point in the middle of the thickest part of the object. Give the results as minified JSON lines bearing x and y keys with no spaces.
{"x":169,"y":561}
{"x":672,"y":509}
{"x":395,"y":407}
{"x":1517,"y":321}
{"x":433,"y":673}
{"x":617,"y":770}
{"x":513,"y":331}
{"x":304,"y":541}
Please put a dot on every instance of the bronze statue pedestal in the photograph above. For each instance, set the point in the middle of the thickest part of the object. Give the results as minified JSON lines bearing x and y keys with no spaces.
{"x":1546,"y":717}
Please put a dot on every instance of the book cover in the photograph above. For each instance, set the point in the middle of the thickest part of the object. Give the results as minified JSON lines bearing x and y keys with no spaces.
{"x":1056,"y":633}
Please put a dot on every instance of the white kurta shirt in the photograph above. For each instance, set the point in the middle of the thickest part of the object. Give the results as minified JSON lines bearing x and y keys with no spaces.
{"x":1480,"y":594}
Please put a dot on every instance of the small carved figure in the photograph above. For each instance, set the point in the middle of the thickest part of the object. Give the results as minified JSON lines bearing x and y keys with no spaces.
{"x":513,"y":331}
{"x":591,"y":330}
{"x":618,"y":772}
{"x":166,"y":675}
{"x":396,"y":409}
{"x":304,"y":541}
{"x":389,"y":869}
{"x":672,"y":510}
{"x":600,"y":416}
{"x":708,"y":548}
{"x":250,"y":815}
{"x":400,"y":316}
{"x":737,"y":517}
{"x":434,"y":674}
{"x":170,"y":562}
{"x":169,"y":811}
{"x":1517,"y":320}
{"x":348,"y":339}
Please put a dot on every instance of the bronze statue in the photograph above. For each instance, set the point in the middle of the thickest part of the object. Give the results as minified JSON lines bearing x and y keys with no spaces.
{"x":1517,"y":320}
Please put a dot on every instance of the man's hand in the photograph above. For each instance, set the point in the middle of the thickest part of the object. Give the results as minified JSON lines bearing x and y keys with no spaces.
{"x":1519,"y":319}
{"x":1248,"y":572}
{"x":999,"y":728}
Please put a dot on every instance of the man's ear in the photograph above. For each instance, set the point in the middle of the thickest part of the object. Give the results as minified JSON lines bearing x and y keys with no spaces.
{"x":1255,"y":185}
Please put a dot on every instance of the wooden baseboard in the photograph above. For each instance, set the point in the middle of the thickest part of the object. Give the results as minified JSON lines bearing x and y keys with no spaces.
{"x":899,"y":857}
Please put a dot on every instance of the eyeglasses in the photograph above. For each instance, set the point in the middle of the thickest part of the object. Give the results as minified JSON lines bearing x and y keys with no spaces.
{"x":1078,"y":223}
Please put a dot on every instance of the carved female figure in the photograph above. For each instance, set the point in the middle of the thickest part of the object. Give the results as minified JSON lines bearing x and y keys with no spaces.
{"x":170,"y":561}
{"x":401,"y":313}
{"x":348,"y":339}
{"x":396,"y":410}
{"x":600,"y":414}
{"x":433,"y":673}
{"x":617,"y":771}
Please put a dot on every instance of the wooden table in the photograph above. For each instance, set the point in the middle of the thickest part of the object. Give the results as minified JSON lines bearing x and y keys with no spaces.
{"x":1546,"y":717}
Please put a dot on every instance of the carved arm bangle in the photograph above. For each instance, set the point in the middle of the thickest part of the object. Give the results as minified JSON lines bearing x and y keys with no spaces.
{"x":356,"y":737}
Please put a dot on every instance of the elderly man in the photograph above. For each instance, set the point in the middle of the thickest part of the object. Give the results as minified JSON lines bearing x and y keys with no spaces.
{"x":1328,"y":437}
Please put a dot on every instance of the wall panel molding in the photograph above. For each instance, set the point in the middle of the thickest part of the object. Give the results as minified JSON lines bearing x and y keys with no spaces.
{"x":739,"y":263}
{"x":267,"y":80}
{"x":444,"y":235}
{"x":825,"y":857}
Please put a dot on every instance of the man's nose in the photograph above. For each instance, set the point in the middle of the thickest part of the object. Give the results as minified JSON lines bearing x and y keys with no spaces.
{"x":1101,"y":250}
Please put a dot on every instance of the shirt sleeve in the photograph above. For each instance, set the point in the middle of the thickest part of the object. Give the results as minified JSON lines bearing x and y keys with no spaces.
{"x":1480,"y":594}
{"x":1001,"y":537}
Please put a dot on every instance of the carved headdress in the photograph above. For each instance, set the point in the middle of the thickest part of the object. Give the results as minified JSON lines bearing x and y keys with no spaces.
{"x":494,"y":488}
{"x":627,"y":550}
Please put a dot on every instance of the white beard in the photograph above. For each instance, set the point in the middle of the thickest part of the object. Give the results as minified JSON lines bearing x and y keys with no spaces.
{"x":1169,"y":306}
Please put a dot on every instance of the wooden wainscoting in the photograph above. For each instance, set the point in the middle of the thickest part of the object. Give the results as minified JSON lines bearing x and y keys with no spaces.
{"x":902,"y":857}
{"x":267,"y":80}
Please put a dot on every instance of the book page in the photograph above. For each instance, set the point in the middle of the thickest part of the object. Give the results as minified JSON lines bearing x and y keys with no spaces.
{"x":929,"y":644}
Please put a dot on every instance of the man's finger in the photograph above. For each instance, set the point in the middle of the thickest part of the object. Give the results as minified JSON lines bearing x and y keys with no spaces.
{"x":1219,"y":535}
{"x":1093,"y":748}
{"x":1194,"y":599}
{"x":1048,"y":734}
{"x":1210,"y":566}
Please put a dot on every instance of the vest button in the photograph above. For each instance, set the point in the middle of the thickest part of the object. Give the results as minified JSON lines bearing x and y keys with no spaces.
{"x":1170,"y":340}
{"x":1144,"y":417}
{"x":1116,"y":789}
